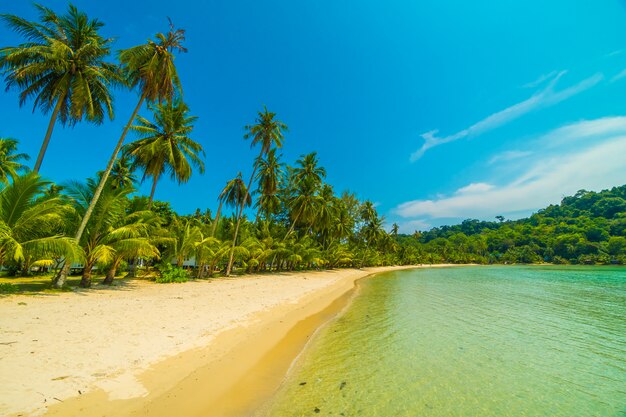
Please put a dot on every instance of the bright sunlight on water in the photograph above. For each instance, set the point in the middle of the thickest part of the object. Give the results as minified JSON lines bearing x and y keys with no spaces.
{"x":470,"y":341}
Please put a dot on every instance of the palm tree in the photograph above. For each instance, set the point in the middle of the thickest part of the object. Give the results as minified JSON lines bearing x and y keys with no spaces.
{"x":187,"y":235}
{"x":267,"y":132}
{"x":130,"y":240}
{"x":9,"y":160}
{"x":232,"y":195}
{"x":309,"y":170}
{"x":106,"y":227}
{"x":308,"y":176}
{"x":122,"y":174}
{"x":61,"y":66}
{"x":31,"y":224}
{"x":269,"y":175}
{"x":165,"y":144}
{"x":151,"y":68}
{"x":394,"y":230}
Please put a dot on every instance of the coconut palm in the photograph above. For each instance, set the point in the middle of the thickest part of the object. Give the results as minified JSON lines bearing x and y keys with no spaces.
{"x":184,"y":241}
{"x":131,"y":240}
{"x":122,"y":174}
{"x":233,"y":194}
{"x":10,"y":164}
{"x":307,"y":178}
{"x":269,"y":176}
{"x":309,"y":170}
{"x":62,"y":67}
{"x":110,"y":228}
{"x":165,"y":145}
{"x":31,"y":224}
{"x":149,"y":67}
{"x":268,"y":133}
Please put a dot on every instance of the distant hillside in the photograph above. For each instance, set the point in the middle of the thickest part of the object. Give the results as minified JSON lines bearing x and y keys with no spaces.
{"x":587,"y":228}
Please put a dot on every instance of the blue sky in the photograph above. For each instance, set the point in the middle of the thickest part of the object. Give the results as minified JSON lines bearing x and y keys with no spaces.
{"x":435,"y":110}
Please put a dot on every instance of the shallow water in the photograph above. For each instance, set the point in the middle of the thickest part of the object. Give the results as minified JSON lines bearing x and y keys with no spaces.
{"x":470,"y":341}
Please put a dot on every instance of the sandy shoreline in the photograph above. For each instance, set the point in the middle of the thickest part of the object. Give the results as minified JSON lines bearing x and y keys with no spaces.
{"x":141,"y":346}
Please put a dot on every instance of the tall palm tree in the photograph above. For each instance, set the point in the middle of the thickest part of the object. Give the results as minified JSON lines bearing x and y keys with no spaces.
{"x":309,"y":170}
{"x":269,"y":176}
{"x":150,"y":67}
{"x":165,"y":145}
{"x":232,"y":195}
{"x":268,"y":133}
{"x":62,"y":67}
{"x":31,"y":224}
{"x":10,"y":161}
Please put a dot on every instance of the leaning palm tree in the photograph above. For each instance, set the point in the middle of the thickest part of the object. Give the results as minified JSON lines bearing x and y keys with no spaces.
{"x":62,"y":67}
{"x":10,"y":164}
{"x":267,"y":132}
{"x":165,"y":145}
{"x":150,"y":67}
{"x":31,"y":224}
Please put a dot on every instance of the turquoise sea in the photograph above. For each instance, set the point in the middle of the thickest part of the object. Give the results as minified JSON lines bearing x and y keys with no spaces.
{"x":469,"y":341}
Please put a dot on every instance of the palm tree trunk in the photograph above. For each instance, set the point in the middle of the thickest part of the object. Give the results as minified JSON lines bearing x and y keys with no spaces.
{"x":60,"y":281}
{"x":85,"y":281}
{"x":217,"y":219}
{"x":46,"y":139}
{"x":108,"y":280}
{"x":243,"y":203}
{"x":293,"y":225}
{"x":154,"y":184}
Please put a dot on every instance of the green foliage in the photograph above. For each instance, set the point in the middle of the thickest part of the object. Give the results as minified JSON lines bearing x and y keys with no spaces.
{"x":169,"y":274}
{"x":8,"y":288}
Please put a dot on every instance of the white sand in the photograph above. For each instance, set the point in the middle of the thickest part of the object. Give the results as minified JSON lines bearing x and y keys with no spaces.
{"x":56,"y":346}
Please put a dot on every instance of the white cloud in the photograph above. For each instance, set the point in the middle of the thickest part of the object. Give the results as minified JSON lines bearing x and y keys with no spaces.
{"x":597,"y":162}
{"x":543,"y":98}
{"x":475,"y":187}
{"x":540,"y":80}
{"x":509,"y":156}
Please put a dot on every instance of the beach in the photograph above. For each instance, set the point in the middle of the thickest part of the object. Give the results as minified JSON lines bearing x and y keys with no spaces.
{"x":139,"y":348}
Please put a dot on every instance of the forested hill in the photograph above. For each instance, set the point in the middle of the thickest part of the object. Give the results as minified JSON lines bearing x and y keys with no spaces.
{"x":586,"y":228}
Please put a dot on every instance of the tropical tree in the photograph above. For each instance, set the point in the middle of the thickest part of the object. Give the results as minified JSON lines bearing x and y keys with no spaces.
{"x":186,"y":236}
{"x":31,"y":224}
{"x":308,"y":177}
{"x":10,"y":164}
{"x":268,"y":133}
{"x":269,"y":176}
{"x":131,"y":240}
{"x":112,"y":233}
{"x":62,"y":67}
{"x":233,"y":195}
{"x":149,"y":67}
{"x":165,"y":145}
{"x":122,"y":174}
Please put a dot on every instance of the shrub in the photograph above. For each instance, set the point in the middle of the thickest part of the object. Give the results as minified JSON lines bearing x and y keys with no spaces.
{"x":8,"y":288}
{"x":169,"y":274}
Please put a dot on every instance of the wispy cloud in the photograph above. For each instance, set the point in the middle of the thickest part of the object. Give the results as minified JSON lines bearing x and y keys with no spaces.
{"x":619,"y":76}
{"x":508,"y":156}
{"x":541,"y":79}
{"x":586,"y":154}
{"x":541,"y":99}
